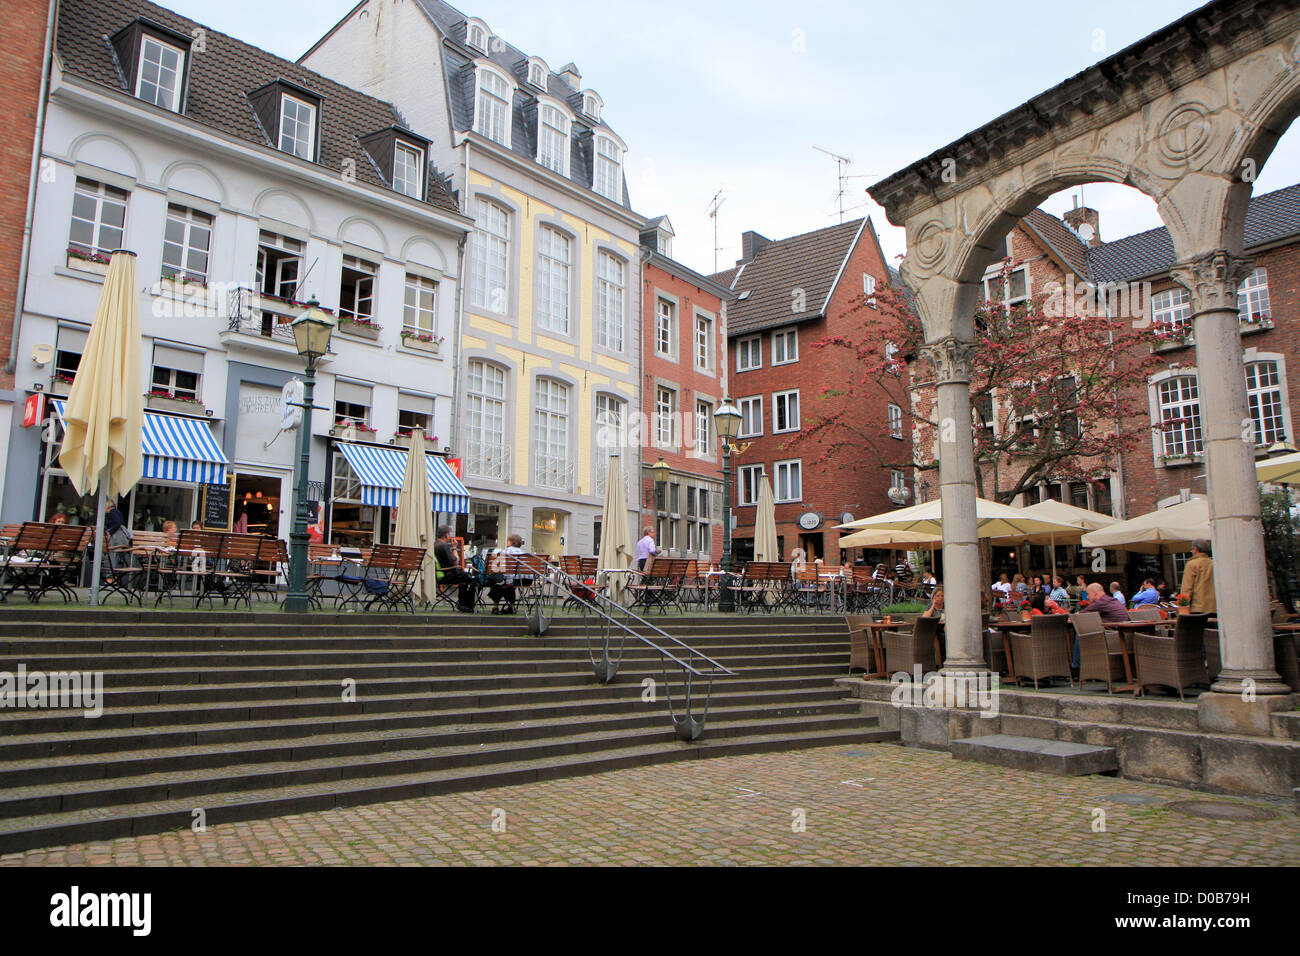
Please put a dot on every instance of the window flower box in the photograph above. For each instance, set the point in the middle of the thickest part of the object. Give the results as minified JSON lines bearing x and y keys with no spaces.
{"x":82,"y":261}
{"x":1256,"y":321}
{"x":403,"y":440}
{"x":1175,"y":461}
{"x":352,"y":431}
{"x":361,"y":328}
{"x":423,"y":341}
{"x":161,"y":401}
{"x":61,"y":384}
{"x":1176,"y":338}
{"x":181,"y":284}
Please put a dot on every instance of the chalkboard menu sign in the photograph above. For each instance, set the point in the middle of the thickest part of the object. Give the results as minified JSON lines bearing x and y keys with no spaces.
{"x":218,"y":503}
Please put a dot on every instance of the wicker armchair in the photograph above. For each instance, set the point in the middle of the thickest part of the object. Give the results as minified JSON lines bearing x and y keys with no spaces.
{"x":1145,"y":612}
{"x":1101,"y":652}
{"x":995,"y":650}
{"x":1213,"y":654}
{"x":862,"y":651}
{"x":1173,"y":661}
{"x":1285,"y":650}
{"x":1044,"y":652}
{"x":904,"y":652}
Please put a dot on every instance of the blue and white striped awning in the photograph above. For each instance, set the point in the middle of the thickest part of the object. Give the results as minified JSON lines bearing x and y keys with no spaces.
{"x":178,"y":449}
{"x":381,"y":470}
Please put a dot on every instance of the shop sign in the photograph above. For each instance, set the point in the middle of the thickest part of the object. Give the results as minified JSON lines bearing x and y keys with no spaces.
{"x":33,"y":408}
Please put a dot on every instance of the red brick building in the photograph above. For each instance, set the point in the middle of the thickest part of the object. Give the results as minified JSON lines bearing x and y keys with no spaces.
{"x":684,"y":379}
{"x":791,"y":294}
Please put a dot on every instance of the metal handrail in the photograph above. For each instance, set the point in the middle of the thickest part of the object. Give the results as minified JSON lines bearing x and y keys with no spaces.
{"x":687,"y":725}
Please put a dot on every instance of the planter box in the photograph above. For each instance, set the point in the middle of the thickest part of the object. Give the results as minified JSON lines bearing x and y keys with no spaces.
{"x":350,"y":433}
{"x":413,"y":343}
{"x":368,"y":332}
{"x":1181,"y":460}
{"x":188,"y":289}
{"x":175,"y":406}
{"x":86,"y":265}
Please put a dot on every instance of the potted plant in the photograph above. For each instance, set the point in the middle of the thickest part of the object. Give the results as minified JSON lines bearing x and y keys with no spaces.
{"x":362,"y":328}
{"x":87,"y":261}
{"x":61,"y":382}
{"x":1184,"y":604}
{"x":424,"y":341}
{"x":1026,"y":610}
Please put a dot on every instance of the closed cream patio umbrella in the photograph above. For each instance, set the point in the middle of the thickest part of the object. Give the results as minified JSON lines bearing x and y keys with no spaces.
{"x":616,"y":547}
{"x":415,"y":517}
{"x":1170,"y":529}
{"x":765,"y":524}
{"x":103,"y":418}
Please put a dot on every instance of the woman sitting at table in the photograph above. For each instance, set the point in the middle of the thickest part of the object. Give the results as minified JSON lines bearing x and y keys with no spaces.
{"x":1060,"y":593}
{"x":1040,"y":604}
{"x":936,"y":605}
{"x":798,"y":561}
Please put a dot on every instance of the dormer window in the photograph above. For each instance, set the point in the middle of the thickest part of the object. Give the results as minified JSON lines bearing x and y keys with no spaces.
{"x":159,"y":78}
{"x":591,"y":104}
{"x":297,"y":127}
{"x":492,"y":107}
{"x":408,"y":170}
{"x":537,"y":73}
{"x":476,"y":34}
{"x":607,"y":178}
{"x":553,"y":139}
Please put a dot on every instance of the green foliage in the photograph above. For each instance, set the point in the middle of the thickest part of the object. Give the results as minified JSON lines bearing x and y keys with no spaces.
{"x":910,"y":607}
{"x":1279,"y":541}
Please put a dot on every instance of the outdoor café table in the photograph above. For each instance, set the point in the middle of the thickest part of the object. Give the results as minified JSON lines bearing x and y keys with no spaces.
{"x":836,"y":583}
{"x":875,"y":631}
{"x":1007,"y":627}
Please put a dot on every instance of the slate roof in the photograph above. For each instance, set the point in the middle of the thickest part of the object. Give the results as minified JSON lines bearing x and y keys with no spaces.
{"x":1060,"y":238}
{"x":222,"y":76}
{"x":458,"y":67}
{"x":1270,"y":218}
{"x":809,"y":262}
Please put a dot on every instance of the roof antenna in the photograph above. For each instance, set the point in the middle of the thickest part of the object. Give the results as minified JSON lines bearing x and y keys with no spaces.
{"x":842,"y":165}
{"x":714,"y":205}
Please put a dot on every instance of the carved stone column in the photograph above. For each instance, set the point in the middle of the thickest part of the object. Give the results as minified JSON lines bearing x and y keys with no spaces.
{"x":963,"y":587}
{"x":1241,"y":577}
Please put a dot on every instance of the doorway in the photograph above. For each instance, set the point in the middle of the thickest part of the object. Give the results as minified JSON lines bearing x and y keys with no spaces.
{"x":548,"y":532}
{"x":257,"y":504}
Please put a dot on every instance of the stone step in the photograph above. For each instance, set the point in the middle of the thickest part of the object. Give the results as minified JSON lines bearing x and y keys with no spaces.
{"x":75,"y":826}
{"x":1033,"y":753}
{"x":197,"y":785}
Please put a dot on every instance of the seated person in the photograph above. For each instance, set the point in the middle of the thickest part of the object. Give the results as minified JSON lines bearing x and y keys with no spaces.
{"x":505,"y":586}
{"x":1147,"y":595}
{"x":1111,"y":611}
{"x":1040,"y":604}
{"x":449,"y":571}
{"x":936,"y":605}
{"x":1116,"y":593}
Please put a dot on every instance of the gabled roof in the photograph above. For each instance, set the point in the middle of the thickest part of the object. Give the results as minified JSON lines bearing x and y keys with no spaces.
{"x":787,"y":273}
{"x":220,"y":79}
{"x":1270,"y":218}
{"x":1059,"y":239}
{"x":458,"y":68}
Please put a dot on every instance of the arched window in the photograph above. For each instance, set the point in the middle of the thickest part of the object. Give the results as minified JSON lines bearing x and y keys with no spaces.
{"x":610,"y":283}
{"x":490,"y":257}
{"x":607,"y":178}
{"x":1264,"y":395}
{"x":552,"y":467}
{"x":1252,"y":298}
{"x":1180,"y":416}
{"x":485,"y":418}
{"x":492,"y":107}
{"x":611,"y":422}
{"x":553,"y":257}
{"x":553,"y":139}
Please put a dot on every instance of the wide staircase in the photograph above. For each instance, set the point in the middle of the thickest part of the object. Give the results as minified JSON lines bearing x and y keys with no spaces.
{"x":219,"y":717}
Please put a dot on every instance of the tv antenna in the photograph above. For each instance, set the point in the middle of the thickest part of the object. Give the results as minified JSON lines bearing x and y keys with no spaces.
{"x":842,"y":165}
{"x":714,"y":205}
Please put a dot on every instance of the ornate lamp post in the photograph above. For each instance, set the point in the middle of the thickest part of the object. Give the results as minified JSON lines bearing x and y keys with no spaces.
{"x":311,"y":333}
{"x":727,"y":422}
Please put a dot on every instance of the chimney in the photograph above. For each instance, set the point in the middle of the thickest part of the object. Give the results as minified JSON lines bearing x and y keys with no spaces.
{"x":571,"y":75}
{"x":750,"y":244}
{"x":1085,"y":223}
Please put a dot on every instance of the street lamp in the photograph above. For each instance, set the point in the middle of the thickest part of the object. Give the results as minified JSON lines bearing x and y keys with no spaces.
{"x":311,"y":334}
{"x":727,"y":422}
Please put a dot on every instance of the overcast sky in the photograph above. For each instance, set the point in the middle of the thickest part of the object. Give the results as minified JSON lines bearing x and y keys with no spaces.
{"x":734,"y":96}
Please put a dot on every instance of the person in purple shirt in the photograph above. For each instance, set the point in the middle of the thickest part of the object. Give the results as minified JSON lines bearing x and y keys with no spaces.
{"x":1111,"y":611}
{"x":645,"y":548}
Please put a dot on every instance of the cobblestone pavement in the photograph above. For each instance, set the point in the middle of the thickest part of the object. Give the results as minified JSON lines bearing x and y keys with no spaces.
{"x":856,"y":805}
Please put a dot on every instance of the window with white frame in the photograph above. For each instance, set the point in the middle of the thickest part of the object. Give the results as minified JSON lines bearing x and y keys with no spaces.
{"x":489,"y":257}
{"x":352,"y":403}
{"x":68,"y":349}
{"x":607,"y":178}
{"x":610,"y":283}
{"x":297,"y":127}
{"x":159,"y":78}
{"x":477,"y":36}
{"x":785,"y":411}
{"x":611,"y":417}
{"x":553,"y":255}
{"x":187,"y":239}
{"x":1264,"y":396}
{"x":751,"y":417}
{"x":492,"y":109}
{"x":98,"y":218}
{"x":1007,"y":290}
{"x":1171,"y":311}
{"x":591,"y":105}
{"x":1180,"y":416}
{"x":895,"y":421}
{"x":665,"y":417}
{"x":869,"y":289}
{"x":748,"y":479}
{"x":357,"y":289}
{"x":789,"y":481}
{"x":553,"y":139}
{"x":749,"y":354}
{"x":1252,"y":298}
{"x":897,"y":481}
{"x":537,"y":74}
{"x":665,"y":321}
{"x":551,"y":434}
{"x":408,"y":170}
{"x":279,"y":264}
{"x":785,"y":347}
{"x":420,"y":306}
{"x":485,"y":417}
{"x":415,"y":411}
{"x":177,"y":372}
{"x":703,"y":427}
{"x":703,"y":343}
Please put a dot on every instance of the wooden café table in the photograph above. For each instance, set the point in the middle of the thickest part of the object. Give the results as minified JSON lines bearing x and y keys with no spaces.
{"x":1124,"y":629}
{"x":875,"y":630}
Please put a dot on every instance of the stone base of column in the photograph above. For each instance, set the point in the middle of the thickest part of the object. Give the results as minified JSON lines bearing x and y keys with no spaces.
{"x":1219,"y":713}
{"x":1258,"y":681}
{"x":972,"y":687}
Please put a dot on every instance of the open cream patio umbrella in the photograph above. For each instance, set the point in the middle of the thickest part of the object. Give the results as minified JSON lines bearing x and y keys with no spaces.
{"x":415,"y":517}
{"x":616,"y":548}
{"x":104,"y":416}
{"x":1282,"y":470}
{"x":1067,"y":514}
{"x":765,"y":524}
{"x":1170,"y":529}
{"x":994,"y":520}
{"x":872,"y":538}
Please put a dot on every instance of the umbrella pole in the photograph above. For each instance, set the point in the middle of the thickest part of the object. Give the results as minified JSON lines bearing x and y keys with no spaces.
{"x":98,"y":563}
{"x":1052,"y":539}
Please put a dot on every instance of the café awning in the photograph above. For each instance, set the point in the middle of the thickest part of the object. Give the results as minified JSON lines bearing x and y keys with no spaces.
{"x":177,"y":448}
{"x":380,"y":469}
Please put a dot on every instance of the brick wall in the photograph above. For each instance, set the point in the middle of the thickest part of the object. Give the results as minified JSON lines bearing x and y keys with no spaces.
{"x":20,"y":78}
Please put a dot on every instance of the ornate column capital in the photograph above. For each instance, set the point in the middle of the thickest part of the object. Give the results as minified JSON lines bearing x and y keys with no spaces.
{"x":1212,"y":279}
{"x":952,"y":359}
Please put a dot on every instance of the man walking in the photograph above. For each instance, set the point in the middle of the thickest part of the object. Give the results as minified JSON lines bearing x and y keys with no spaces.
{"x":645,"y":548}
{"x":1198,"y":579}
